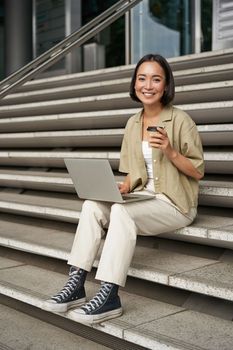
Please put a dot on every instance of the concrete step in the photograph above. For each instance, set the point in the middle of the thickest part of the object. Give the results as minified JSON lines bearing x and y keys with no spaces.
{"x":70,"y":105}
{"x":209,"y":112}
{"x":209,"y":228}
{"x":206,"y":92}
{"x":216,"y":161}
{"x":211,"y":135}
{"x":216,"y":134}
{"x":186,"y":62}
{"x":74,"y":138}
{"x":83,"y":120}
{"x":42,"y":180}
{"x":207,"y":272}
{"x":209,"y":58}
{"x":216,"y":193}
{"x":212,"y":192}
{"x":21,"y":331}
{"x":77,"y":89}
{"x":194,"y":93}
{"x":176,"y":326}
{"x":204,"y":74}
{"x":55,"y":158}
{"x":47,"y":205}
{"x":93,"y":76}
{"x":202,"y":113}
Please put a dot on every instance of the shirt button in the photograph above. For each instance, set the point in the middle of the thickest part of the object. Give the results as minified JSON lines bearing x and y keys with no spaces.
{"x":154,"y":160}
{"x":156,"y":178}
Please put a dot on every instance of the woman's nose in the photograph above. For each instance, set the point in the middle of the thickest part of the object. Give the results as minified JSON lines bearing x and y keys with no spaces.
{"x":148,"y":84}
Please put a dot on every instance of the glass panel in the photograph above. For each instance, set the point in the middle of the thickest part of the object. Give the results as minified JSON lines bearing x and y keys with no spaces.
{"x":161,"y":26}
{"x":113,"y":37}
{"x":50,"y":27}
{"x":206,"y":25}
{"x":2,"y":74}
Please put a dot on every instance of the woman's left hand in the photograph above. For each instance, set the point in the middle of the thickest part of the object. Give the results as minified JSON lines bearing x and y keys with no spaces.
{"x":160,"y":140}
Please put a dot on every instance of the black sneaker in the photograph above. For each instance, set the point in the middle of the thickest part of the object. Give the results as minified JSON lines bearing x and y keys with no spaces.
{"x":105,"y":305}
{"x":72,"y":294}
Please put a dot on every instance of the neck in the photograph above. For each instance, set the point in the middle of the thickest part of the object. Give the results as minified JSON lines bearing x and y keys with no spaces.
{"x":152,"y":112}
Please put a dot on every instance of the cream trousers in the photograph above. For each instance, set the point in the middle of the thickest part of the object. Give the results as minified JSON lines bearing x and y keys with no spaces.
{"x":124,"y":222}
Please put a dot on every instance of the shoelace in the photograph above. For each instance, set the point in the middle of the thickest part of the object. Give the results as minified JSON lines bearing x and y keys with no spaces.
{"x":69,"y":287}
{"x":99,"y":299}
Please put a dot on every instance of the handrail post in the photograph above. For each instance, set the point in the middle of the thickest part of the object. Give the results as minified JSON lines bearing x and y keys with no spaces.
{"x":128,"y":38}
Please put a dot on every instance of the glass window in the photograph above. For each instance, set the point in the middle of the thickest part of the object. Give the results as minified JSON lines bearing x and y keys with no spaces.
{"x":2,"y":75}
{"x":206,"y":25}
{"x":50,"y":27}
{"x":161,"y":26}
{"x":112,"y":37}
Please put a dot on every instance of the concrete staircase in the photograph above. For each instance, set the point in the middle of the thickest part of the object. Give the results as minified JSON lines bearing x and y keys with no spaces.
{"x":179,"y":293}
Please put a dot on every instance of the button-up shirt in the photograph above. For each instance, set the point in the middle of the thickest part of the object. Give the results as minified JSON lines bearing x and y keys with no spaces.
{"x":183,"y":135}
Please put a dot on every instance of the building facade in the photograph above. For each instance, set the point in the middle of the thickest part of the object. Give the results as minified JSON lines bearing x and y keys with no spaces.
{"x":172,"y":28}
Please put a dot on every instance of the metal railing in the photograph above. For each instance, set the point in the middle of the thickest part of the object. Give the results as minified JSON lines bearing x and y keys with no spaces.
{"x":57,"y":52}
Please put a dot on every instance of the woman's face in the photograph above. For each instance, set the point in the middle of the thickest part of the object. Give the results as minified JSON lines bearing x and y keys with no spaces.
{"x":150,"y":83}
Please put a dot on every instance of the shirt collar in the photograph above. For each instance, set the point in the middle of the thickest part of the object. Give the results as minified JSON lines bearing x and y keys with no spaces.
{"x":165,"y":115}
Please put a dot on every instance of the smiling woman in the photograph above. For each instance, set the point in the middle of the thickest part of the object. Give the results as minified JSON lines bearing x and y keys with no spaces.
{"x":166,"y":164}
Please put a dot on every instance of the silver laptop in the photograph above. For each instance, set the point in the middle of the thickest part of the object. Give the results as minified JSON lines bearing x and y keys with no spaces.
{"x":94,"y":179}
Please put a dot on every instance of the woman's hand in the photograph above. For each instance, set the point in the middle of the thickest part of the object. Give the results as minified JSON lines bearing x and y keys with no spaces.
{"x":159,"y":139}
{"x":124,"y":187}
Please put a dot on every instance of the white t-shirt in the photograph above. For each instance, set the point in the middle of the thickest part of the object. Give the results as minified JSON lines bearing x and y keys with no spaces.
{"x":147,"y":154}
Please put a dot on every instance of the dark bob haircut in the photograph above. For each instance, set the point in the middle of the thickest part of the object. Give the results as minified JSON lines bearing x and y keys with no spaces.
{"x":169,"y":93}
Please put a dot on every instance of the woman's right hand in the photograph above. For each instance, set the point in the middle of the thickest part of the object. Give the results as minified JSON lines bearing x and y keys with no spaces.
{"x":124,"y":187}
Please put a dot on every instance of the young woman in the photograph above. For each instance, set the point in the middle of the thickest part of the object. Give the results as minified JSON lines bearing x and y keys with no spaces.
{"x":167,"y":163}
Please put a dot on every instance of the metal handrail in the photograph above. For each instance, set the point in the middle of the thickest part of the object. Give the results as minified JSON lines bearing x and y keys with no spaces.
{"x":54,"y":54}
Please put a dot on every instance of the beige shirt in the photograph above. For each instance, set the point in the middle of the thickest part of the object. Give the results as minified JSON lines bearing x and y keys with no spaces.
{"x":181,"y":189}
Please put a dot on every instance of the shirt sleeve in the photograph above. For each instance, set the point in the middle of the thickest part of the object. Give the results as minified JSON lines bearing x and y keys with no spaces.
{"x":124,"y":154}
{"x":191,"y":147}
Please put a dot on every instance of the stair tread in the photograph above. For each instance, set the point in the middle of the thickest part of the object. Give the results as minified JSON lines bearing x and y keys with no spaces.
{"x":110,"y":131}
{"x":76,"y":88}
{"x":186,"y":330}
{"x":71,"y":203}
{"x":186,"y":62}
{"x":64,"y":177}
{"x":79,"y":120}
{"x":211,"y":135}
{"x":63,"y":201}
{"x":223,"y":187}
{"x":211,"y":112}
{"x":138,"y":322}
{"x":28,"y":335}
{"x":73,"y":90}
{"x":46,"y":205}
{"x":215,"y":135}
{"x":203,"y":92}
{"x":209,"y":155}
{"x":184,"y":270}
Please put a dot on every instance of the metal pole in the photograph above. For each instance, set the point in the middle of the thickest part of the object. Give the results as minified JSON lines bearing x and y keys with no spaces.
{"x":196,"y":26}
{"x":128,"y":58}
